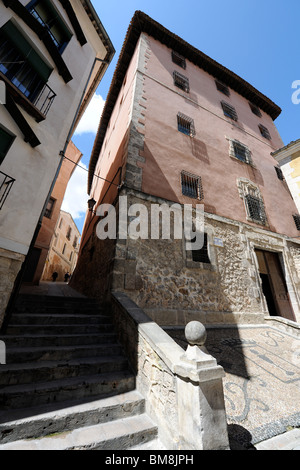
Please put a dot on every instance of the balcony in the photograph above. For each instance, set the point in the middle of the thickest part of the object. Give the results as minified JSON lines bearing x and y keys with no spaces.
{"x":6,"y":183}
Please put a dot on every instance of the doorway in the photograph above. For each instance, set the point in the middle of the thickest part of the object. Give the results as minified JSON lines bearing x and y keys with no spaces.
{"x":274,"y":285}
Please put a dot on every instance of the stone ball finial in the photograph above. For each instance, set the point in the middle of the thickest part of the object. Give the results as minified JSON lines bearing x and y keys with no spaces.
{"x":195,"y":333}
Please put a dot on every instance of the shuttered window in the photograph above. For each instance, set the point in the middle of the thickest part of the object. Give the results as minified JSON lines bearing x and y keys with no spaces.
{"x":255,"y":110}
{"x":297,"y":221}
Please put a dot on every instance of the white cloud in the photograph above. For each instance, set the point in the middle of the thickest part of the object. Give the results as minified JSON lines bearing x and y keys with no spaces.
{"x":90,"y":119}
{"x":76,"y":197}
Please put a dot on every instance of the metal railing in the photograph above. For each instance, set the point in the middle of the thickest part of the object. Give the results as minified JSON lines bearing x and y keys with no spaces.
{"x":44,"y":99}
{"x":6,"y":183}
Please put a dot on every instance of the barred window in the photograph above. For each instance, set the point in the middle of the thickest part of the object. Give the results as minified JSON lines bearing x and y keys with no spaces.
{"x":241,"y":152}
{"x":49,"y":208}
{"x":229,"y":111}
{"x":181,"y":81}
{"x":264,"y":132}
{"x":222,"y":88}
{"x":255,"y":110}
{"x":297,"y":220}
{"x":279,"y":173}
{"x":185,"y":125}
{"x":178,"y":59}
{"x":191,"y":185}
{"x":256,"y":209}
{"x":201,"y":255}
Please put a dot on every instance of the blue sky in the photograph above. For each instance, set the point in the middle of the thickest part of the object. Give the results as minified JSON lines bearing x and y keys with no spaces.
{"x":256,"y":39}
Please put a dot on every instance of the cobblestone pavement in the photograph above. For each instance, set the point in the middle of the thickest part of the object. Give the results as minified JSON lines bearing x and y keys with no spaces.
{"x":262,"y":382}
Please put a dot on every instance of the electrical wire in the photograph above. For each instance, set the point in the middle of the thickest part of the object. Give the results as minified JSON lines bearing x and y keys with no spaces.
{"x":97,"y":176}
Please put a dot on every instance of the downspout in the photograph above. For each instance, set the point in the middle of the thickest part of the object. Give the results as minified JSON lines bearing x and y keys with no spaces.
{"x":19,"y":278}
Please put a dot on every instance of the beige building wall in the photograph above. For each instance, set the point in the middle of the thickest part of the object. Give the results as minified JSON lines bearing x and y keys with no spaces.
{"x":64,"y":247}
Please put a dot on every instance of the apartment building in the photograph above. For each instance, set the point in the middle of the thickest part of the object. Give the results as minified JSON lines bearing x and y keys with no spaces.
{"x":180,"y":128}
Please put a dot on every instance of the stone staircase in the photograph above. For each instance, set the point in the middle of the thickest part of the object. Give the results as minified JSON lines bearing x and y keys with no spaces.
{"x":66,"y":383}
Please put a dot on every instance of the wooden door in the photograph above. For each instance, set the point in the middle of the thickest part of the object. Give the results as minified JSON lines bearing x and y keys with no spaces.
{"x":271,"y":273}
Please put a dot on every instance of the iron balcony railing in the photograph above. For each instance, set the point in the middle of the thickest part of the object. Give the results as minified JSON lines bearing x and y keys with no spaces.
{"x":44,"y":99}
{"x":6,"y":183}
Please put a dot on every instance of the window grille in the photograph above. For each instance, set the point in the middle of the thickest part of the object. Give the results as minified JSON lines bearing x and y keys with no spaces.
{"x":297,"y":221}
{"x":178,"y":60}
{"x":201,"y":255}
{"x":279,"y":173}
{"x":229,"y":111}
{"x":186,"y":125}
{"x":264,"y":132}
{"x":181,"y":81}
{"x":256,"y":208}
{"x":222,"y":88}
{"x":255,"y":110}
{"x":191,"y":185}
{"x":241,"y":152}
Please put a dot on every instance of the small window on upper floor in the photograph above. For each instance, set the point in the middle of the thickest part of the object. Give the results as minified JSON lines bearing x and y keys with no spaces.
{"x":191,"y":185}
{"x":279,"y":173}
{"x":222,"y":88}
{"x":229,"y":111}
{"x":264,"y":132}
{"x":255,"y":110}
{"x":47,"y":15}
{"x":6,"y":140}
{"x":297,"y":220}
{"x":69,"y":231}
{"x":181,"y":81}
{"x":178,"y":59}
{"x":185,"y":125}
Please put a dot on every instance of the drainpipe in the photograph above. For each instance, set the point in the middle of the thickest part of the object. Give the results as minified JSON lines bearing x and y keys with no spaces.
{"x":19,"y":278}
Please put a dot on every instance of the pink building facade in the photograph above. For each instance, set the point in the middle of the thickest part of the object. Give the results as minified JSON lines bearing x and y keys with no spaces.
{"x":179,"y":128}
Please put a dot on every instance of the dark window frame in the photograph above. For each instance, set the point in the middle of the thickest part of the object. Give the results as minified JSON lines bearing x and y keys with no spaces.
{"x":191,"y":185}
{"x":222,"y":88}
{"x":296,"y":218}
{"x":178,"y":59}
{"x":264,"y":132}
{"x":229,"y":111}
{"x":255,"y":109}
{"x":181,"y":81}
{"x":185,"y":125}
{"x":201,"y":255}
{"x":4,"y":151}
{"x":241,"y":152}
{"x":256,"y":209}
{"x":279,"y":173}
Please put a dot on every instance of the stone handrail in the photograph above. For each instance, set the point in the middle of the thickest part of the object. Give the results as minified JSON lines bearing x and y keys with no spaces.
{"x":183,"y":390}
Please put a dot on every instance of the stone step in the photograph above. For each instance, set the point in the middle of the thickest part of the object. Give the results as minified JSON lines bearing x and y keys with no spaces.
{"x":58,"y":309}
{"x":55,"y":340}
{"x":58,"y":319}
{"x":70,"y":388}
{"x":58,"y":329}
{"x":60,"y":353}
{"x":46,"y":371}
{"x":115,"y":435}
{"x":50,"y":419}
